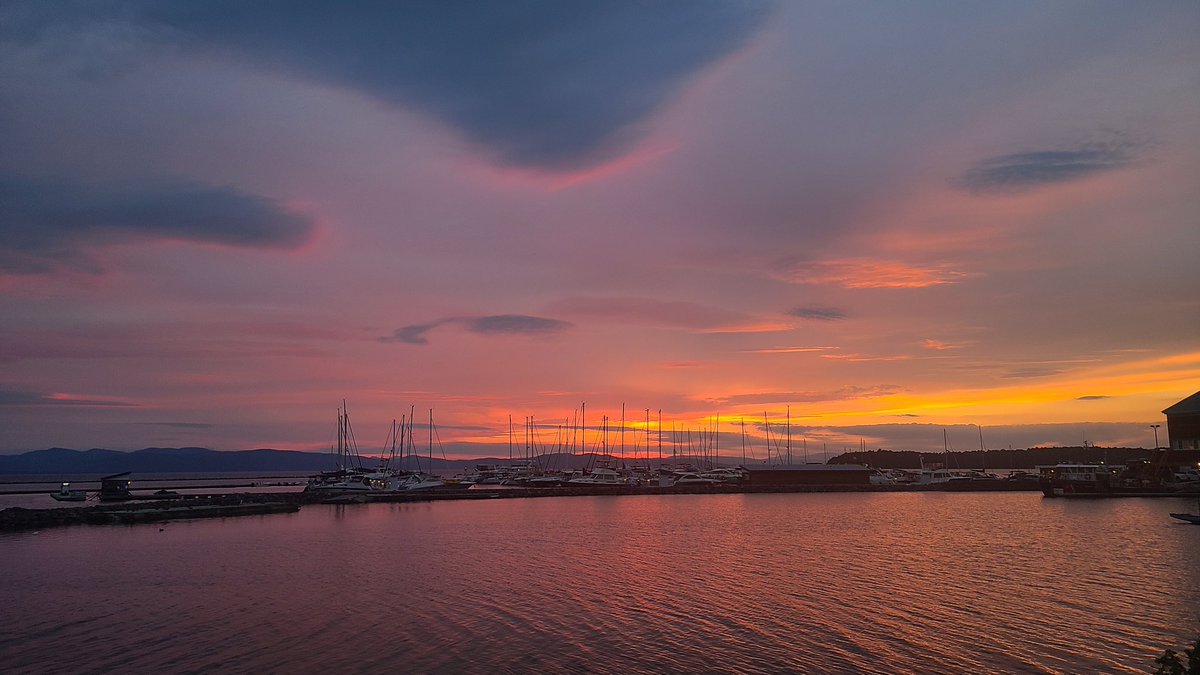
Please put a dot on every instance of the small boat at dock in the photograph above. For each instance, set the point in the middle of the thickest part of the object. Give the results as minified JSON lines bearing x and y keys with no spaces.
{"x":66,"y":494}
{"x":1188,"y":517}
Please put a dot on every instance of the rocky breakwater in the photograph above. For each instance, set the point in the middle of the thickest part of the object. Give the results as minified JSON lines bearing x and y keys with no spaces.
{"x":207,"y":506}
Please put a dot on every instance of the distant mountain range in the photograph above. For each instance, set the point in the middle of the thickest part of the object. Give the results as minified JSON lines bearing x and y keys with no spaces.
{"x":162,"y":460}
{"x":203,"y":460}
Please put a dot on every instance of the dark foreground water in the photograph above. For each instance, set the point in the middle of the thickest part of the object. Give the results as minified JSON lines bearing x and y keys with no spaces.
{"x":926,"y":583}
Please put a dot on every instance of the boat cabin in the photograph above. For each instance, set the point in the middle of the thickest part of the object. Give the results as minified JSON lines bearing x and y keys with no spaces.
{"x":1083,"y":473}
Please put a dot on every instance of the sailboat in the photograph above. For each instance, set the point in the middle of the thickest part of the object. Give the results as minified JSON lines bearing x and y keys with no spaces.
{"x":349,"y":477}
{"x":418,"y":480}
{"x":936,"y":475}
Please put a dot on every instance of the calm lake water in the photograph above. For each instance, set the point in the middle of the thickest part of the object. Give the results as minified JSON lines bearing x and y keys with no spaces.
{"x":890,"y":582}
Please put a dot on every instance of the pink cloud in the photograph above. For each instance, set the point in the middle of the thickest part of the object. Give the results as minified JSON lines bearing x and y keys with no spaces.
{"x":865,"y":357}
{"x":868,"y":273}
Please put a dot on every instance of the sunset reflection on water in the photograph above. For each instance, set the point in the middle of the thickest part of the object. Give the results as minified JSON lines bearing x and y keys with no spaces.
{"x":749,"y":583}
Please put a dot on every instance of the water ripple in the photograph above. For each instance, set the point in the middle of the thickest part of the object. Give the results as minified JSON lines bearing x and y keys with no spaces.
{"x":704,"y":583}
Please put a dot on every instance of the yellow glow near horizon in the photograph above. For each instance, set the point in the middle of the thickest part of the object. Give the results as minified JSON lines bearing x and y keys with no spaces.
{"x":1123,"y":393}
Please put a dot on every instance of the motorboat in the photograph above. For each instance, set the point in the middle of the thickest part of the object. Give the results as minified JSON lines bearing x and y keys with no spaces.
{"x":420,"y":481}
{"x":696,"y":479}
{"x":726,"y":474}
{"x":878,"y":477}
{"x":600,"y":477}
{"x":66,"y":494}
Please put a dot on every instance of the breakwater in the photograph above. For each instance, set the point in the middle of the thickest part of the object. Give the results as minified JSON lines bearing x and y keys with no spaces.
{"x":204,"y":506}
{"x":147,"y":509}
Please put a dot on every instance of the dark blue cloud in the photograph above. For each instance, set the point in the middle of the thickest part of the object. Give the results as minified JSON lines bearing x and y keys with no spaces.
{"x":515,"y":324}
{"x":44,"y":222}
{"x":818,"y":313}
{"x":499,"y":324}
{"x":540,"y":83}
{"x":413,"y":335}
{"x":1027,"y":170}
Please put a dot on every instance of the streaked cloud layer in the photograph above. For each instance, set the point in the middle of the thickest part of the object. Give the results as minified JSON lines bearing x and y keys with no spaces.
{"x":1028,"y":170}
{"x":880,"y":220}
{"x":499,"y":324}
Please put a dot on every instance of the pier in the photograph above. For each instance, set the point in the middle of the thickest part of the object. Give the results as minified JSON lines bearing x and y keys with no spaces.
{"x":148,"y":509}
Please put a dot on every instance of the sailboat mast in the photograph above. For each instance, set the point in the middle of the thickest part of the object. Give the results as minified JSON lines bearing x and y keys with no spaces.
{"x":659,"y":430}
{"x":716,"y":442}
{"x":340,"y":450}
{"x":622,"y":434}
{"x":789,"y":434}
{"x":982,"y":451}
{"x":743,"y":421}
{"x":767,"y":432}
{"x":647,"y":437}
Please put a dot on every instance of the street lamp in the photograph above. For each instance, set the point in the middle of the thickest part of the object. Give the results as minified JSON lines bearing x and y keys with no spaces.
{"x":1155,"y":428}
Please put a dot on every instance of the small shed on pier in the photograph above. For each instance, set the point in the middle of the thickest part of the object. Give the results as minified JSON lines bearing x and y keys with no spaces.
{"x":116,"y":487}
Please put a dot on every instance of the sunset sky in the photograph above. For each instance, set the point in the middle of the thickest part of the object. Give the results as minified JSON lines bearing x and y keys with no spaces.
{"x":219,"y":219}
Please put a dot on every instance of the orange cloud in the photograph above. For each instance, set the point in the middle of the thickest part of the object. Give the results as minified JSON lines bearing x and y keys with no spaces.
{"x":869,"y":273}
{"x":788,"y":350}
{"x":865,"y":357}
{"x":751,"y":328}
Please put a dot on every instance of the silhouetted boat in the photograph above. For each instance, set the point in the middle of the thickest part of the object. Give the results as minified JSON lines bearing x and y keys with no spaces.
{"x":66,"y":494}
{"x":1188,"y":517}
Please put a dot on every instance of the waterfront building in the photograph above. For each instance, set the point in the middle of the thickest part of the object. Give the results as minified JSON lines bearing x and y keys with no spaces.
{"x":1183,"y":424}
{"x":115,"y":487}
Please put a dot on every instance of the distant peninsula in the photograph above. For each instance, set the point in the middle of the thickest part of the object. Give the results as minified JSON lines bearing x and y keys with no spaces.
{"x":993,"y":460}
